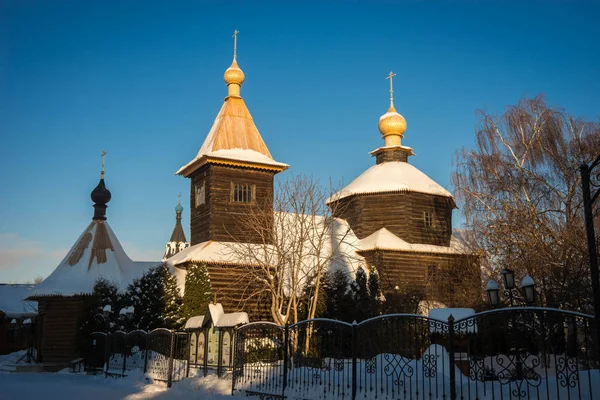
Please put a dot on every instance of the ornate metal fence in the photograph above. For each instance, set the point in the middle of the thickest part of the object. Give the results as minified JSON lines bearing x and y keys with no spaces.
{"x":511,"y":353}
{"x":162,"y":354}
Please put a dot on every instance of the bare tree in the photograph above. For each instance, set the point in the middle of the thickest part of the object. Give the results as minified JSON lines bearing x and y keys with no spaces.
{"x":519,"y":190}
{"x":299,"y":240}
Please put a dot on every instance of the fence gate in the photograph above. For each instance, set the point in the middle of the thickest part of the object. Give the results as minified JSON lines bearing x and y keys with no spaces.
{"x":159,"y":354}
{"x":259,"y":359}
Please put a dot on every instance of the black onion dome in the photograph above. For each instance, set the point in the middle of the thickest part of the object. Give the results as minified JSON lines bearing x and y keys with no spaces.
{"x":100,"y":194}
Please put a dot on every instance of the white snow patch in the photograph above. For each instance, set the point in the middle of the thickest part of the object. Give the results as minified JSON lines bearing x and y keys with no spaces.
{"x":386,"y":240}
{"x":12,"y":300}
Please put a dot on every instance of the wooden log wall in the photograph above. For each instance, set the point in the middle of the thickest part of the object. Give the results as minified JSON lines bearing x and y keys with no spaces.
{"x":233,"y":288}
{"x":60,"y":327}
{"x":220,"y":219}
{"x":460,"y":275}
{"x":401,"y":213}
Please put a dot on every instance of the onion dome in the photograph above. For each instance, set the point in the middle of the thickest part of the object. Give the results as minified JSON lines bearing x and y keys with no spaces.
{"x":392,"y":123}
{"x":234,"y":75}
{"x":179,"y":208}
{"x":100,"y":194}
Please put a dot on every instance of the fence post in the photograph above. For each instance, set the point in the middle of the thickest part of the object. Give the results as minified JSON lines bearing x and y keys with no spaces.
{"x":171,"y":355}
{"x":354,"y":354}
{"x":187,"y":353}
{"x":451,"y":352}
{"x":220,"y":354}
{"x":286,"y":339}
{"x":125,"y":355}
{"x":146,"y":347}
{"x":106,"y":353}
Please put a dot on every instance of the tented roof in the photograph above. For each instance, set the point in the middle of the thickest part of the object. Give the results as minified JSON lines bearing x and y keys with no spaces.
{"x":233,"y":136}
{"x":96,"y":254}
{"x":392,"y":176}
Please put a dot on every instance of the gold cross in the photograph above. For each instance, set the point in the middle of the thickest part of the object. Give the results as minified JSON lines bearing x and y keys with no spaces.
{"x":179,"y":198}
{"x":390,"y":77}
{"x":235,"y":33}
{"x":102,"y":155}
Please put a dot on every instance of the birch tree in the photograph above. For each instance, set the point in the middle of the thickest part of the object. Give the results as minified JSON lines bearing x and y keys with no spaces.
{"x":520,"y":192}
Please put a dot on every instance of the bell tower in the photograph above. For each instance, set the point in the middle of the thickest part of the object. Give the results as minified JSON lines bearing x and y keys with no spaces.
{"x":232,"y":172}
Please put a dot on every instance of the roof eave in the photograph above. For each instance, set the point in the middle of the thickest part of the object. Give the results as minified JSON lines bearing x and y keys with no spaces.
{"x":191,"y":167}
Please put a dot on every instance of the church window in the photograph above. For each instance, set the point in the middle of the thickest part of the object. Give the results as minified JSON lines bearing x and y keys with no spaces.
{"x":200,"y":195}
{"x":242,"y":193}
{"x":428,"y":219}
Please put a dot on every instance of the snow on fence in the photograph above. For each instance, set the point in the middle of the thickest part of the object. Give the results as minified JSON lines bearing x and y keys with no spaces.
{"x":509,"y":353}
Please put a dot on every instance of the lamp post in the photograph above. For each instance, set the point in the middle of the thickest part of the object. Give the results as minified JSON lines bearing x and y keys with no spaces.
{"x":588,"y":200}
{"x":528,"y":293}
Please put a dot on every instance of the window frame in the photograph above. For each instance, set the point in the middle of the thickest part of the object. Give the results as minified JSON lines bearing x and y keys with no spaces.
{"x":429,"y":219}
{"x":242,"y":193}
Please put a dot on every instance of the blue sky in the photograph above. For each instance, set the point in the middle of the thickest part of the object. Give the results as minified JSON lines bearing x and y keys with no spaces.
{"x":143,"y":80}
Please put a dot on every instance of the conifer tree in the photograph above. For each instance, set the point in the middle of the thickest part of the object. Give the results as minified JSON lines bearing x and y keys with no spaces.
{"x":156,"y":300}
{"x":338,"y":299}
{"x":198,"y":292}
{"x":374,"y":292}
{"x":104,"y":293}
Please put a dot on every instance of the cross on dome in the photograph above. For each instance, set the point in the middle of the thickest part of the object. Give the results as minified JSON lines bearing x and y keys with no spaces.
{"x":102,"y":155}
{"x":390,"y":77}
{"x":235,"y":33}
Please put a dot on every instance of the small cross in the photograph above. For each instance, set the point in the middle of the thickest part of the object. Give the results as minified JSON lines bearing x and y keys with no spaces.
{"x":390,"y":77}
{"x":179,"y":198}
{"x":235,"y":33}
{"x":102,"y":155}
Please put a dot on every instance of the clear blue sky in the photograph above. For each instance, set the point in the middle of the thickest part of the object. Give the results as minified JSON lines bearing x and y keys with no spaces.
{"x":143,"y":80}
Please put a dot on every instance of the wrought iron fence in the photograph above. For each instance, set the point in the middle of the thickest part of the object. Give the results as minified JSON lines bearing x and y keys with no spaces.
{"x":162,"y":354}
{"x":511,"y":353}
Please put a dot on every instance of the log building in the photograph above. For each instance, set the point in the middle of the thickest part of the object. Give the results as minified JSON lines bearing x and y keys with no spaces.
{"x":397,"y":219}
{"x":65,"y":295}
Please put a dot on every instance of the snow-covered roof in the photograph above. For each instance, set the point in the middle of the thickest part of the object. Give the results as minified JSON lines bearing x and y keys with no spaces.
{"x":233,"y":137}
{"x":12,"y":303}
{"x":222,"y":320}
{"x":228,"y":253}
{"x":96,"y":254}
{"x":219,"y":318}
{"x":194,"y":322}
{"x":386,"y":240}
{"x":392,"y":176}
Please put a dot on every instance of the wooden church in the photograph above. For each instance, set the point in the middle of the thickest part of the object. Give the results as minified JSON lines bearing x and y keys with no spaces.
{"x":399,"y":220}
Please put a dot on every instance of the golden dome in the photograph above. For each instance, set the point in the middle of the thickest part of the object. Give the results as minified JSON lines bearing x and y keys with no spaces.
{"x":392,"y":123}
{"x":233,"y":74}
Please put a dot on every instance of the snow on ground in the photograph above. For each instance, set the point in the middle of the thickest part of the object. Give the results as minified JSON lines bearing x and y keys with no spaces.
{"x":67,"y":385}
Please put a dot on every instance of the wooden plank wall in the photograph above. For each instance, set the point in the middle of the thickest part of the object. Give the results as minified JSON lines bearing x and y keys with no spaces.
{"x":400,"y":213}
{"x":219,"y":218}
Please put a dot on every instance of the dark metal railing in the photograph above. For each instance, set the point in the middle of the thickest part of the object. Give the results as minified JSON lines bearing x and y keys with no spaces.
{"x":507,"y":353}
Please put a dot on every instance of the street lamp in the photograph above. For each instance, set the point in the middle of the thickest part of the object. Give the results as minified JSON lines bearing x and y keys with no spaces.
{"x":508,"y":279}
{"x":493,"y":293}
{"x":528,"y":287}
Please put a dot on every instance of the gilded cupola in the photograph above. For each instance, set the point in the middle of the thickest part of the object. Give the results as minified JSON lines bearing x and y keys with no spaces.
{"x":391,"y":124}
